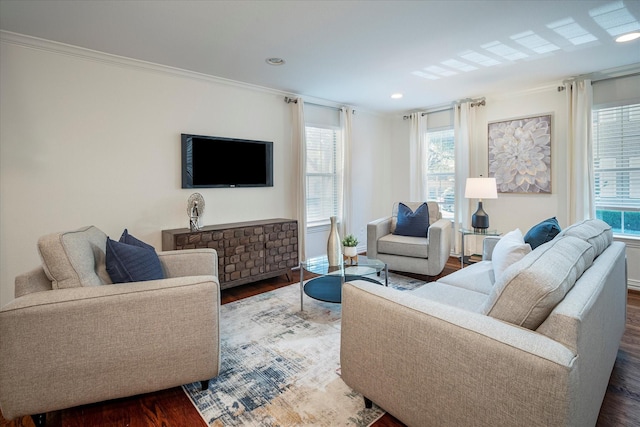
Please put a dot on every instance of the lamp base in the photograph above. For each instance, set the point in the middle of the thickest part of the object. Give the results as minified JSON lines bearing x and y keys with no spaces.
{"x":480,"y":220}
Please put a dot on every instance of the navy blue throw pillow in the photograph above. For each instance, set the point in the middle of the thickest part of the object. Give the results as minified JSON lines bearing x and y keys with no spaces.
{"x":542,"y":233}
{"x":131,"y":263}
{"x":412,"y":223}
{"x":130,"y":240}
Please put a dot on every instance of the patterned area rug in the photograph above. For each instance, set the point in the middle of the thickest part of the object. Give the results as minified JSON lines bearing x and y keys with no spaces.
{"x":281,"y":366}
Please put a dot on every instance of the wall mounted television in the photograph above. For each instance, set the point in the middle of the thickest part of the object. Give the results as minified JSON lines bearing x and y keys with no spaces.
{"x":211,"y":161}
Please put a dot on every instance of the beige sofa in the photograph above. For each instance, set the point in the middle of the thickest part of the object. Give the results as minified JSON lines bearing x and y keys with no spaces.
{"x":90,"y":341}
{"x":532,"y":347}
{"x":421,"y":255}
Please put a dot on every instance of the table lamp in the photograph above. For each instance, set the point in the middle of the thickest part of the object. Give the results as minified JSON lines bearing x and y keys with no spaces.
{"x":480,"y":188}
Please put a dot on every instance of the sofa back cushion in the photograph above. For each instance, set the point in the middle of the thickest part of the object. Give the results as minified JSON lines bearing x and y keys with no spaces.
{"x":75,"y":258}
{"x":593,"y":231}
{"x":434,"y":212}
{"x":528,"y":290}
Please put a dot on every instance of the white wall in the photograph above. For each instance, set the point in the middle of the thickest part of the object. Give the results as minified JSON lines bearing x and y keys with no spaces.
{"x":87,"y":138}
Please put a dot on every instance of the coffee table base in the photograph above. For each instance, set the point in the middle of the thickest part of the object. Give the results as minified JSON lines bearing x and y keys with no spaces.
{"x":329,"y":288}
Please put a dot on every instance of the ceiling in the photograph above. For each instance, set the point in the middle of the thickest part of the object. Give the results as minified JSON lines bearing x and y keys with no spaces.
{"x":352,"y":52}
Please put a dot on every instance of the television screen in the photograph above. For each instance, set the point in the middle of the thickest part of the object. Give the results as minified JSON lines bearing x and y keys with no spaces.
{"x":209,"y":161}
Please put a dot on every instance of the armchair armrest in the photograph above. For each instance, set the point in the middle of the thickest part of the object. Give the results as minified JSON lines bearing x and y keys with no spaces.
{"x":413,"y":356}
{"x":439,"y":235}
{"x":132,"y":338}
{"x":189,"y":262}
{"x":375,"y":230}
{"x":488,"y":244}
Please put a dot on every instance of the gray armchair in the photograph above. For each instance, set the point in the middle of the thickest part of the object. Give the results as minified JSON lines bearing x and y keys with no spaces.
{"x":92,"y":341}
{"x":421,"y":255}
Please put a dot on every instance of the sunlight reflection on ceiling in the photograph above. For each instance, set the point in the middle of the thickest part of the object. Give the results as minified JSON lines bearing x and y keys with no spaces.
{"x":613,"y":17}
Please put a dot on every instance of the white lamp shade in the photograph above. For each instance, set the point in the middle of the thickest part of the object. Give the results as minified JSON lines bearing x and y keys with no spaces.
{"x":481,"y":188}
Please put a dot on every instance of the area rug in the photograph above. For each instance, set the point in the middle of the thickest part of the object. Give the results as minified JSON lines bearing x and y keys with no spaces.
{"x":281,"y":366}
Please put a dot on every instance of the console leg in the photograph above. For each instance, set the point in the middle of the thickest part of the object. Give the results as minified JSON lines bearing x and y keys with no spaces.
{"x":40,"y":420}
{"x":368,"y":403}
{"x":204,"y":385}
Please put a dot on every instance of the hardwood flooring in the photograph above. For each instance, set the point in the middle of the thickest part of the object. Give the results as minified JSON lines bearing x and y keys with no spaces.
{"x":167,"y":408}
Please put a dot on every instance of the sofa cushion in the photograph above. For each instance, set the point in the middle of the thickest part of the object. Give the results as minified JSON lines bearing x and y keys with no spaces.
{"x":74,"y":258}
{"x":528,"y":291}
{"x":593,"y":231}
{"x":510,"y":249}
{"x":452,"y":295}
{"x":412,"y":222}
{"x":542,"y":232}
{"x":416,"y":247}
{"x":477,"y":277}
{"x":132,"y":263}
{"x":434,"y":212}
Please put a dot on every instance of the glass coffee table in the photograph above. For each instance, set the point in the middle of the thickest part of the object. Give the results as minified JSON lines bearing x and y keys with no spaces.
{"x":328,"y":286}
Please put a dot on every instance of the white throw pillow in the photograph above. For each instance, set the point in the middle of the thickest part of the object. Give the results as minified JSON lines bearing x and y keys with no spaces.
{"x":510,"y":248}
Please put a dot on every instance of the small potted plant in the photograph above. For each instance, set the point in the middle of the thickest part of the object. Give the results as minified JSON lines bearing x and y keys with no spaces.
{"x":349,"y":245}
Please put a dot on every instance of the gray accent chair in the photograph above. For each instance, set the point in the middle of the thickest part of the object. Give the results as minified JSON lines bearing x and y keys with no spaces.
{"x":421,"y":255}
{"x":71,"y":338}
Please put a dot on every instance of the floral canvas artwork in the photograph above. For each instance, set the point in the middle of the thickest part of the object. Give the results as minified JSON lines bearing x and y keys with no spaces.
{"x":520,"y":154}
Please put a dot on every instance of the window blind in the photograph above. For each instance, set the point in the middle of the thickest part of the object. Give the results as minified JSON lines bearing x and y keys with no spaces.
{"x":322,"y":178}
{"x":616,"y":153}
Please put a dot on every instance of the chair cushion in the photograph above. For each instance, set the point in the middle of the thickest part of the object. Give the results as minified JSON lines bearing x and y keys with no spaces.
{"x":528,"y":291}
{"x":75,"y":258}
{"x":412,"y":223}
{"x":132,"y":263}
{"x":510,"y":249}
{"x":416,"y":247}
{"x":593,"y":231}
{"x":542,"y":232}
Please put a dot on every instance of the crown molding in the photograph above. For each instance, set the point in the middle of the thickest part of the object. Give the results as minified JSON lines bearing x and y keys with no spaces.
{"x":122,"y":61}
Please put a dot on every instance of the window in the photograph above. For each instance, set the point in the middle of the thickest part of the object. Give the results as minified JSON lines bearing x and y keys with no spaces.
{"x":616,"y":158}
{"x":322,"y":173}
{"x":440,"y":175}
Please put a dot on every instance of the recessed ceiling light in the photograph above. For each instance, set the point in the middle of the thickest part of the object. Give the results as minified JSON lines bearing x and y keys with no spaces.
{"x":396,"y":96}
{"x":628,"y":37}
{"x":275,"y":61}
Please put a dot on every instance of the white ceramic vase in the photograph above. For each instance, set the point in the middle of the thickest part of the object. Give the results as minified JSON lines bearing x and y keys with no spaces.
{"x":334,"y":245}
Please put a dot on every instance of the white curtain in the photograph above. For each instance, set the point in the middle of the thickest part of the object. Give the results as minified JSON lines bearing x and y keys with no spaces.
{"x":579,"y":100}
{"x":463,"y":129}
{"x":345,"y":208}
{"x":418,"y":157}
{"x":300,"y":174}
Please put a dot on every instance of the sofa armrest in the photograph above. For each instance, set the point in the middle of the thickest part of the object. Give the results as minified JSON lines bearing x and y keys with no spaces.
{"x":488,"y":244}
{"x":189,"y":262}
{"x":375,"y":230}
{"x":133,"y":338}
{"x":427,"y":363}
{"x":439,"y":234}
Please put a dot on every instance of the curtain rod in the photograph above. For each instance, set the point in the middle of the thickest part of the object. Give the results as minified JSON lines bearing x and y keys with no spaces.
{"x":474,"y":103}
{"x":594,"y":81}
{"x":289,"y":100}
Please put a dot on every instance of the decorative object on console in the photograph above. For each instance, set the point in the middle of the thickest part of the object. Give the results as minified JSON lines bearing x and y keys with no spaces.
{"x":350,"y":248}
{"x":334,"y":248}
{"x":520,"y":154}
{"x":480,"y":188}
{"x":195,"y":209}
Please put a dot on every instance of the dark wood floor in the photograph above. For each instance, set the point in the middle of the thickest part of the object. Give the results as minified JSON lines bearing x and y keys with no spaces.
{"x":621,"y":406}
